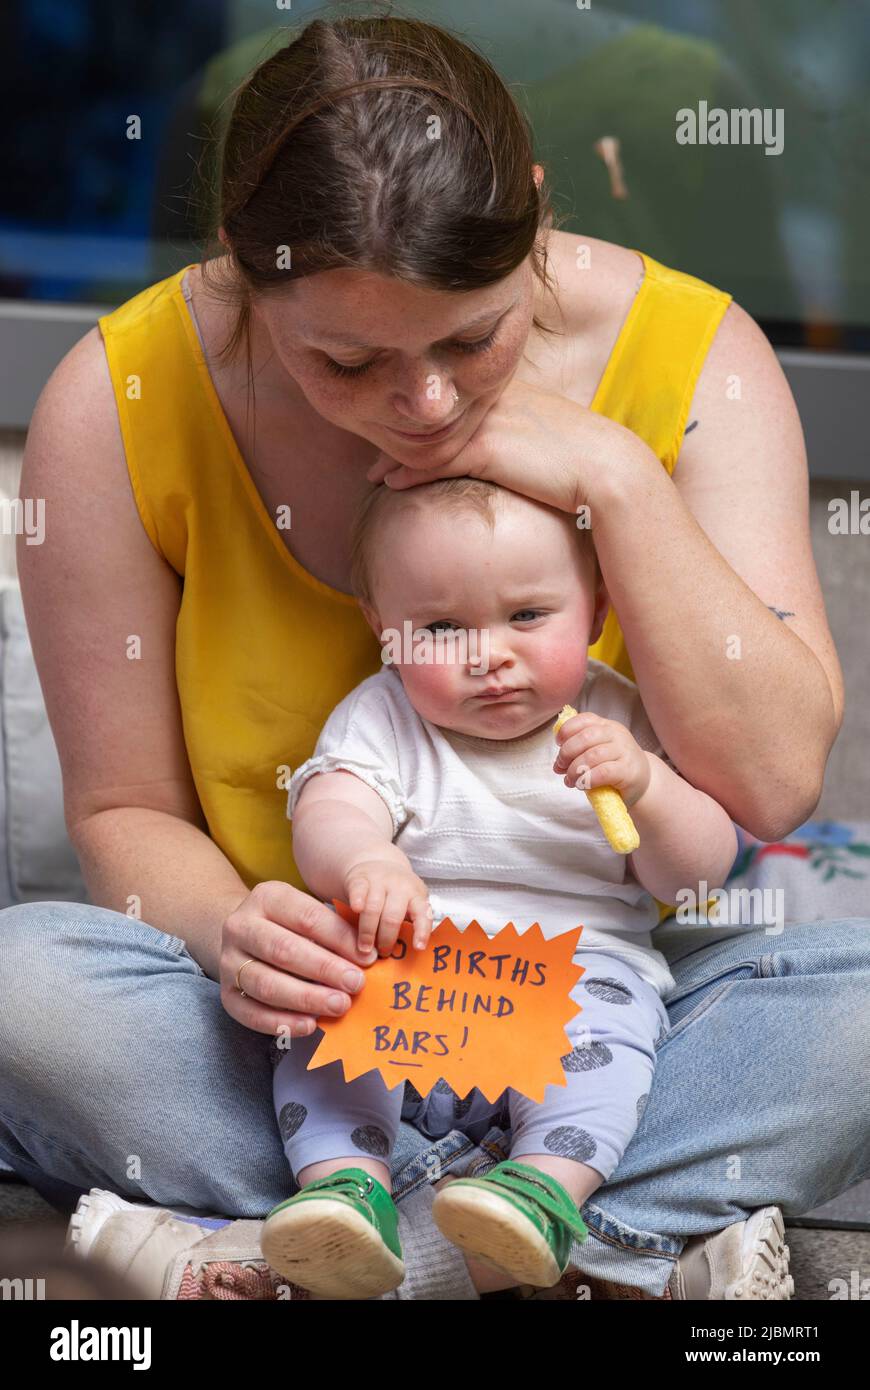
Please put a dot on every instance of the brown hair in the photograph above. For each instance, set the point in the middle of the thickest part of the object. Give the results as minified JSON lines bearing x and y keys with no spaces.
{"x":383,"y":506}
{"x":329,"y":154}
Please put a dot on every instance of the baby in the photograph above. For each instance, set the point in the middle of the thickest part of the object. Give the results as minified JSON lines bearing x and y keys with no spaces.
{"x":433,"y":792}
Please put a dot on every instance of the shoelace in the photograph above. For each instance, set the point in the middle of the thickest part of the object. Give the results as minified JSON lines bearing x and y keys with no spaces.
{"x":546,"y":1201}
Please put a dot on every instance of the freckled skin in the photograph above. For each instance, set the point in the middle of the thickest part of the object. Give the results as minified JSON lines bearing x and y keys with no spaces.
{"x":409,"y":335}
{"x":532,"y":560}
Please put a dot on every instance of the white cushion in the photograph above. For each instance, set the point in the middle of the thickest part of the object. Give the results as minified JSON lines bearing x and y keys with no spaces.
{"x":37,"y":860}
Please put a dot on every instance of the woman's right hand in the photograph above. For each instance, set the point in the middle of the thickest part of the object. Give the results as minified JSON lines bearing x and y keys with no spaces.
{"x":305,"y":961}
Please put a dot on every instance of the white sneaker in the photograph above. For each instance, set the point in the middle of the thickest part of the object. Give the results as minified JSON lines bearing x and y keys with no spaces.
{"x":746,"y":1261}
{"x":174,"y":1254}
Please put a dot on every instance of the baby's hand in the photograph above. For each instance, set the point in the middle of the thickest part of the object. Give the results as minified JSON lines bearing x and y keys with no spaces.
{"x":384,"y":894}
{"x":598,"y":752}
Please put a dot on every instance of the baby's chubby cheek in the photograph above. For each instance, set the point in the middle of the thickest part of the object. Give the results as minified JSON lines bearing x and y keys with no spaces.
{"x":559,"y":669}
{"x":433,"y":688}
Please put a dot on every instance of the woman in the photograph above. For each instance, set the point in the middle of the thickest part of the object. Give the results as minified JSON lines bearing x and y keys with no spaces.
{"x":409,"y":313}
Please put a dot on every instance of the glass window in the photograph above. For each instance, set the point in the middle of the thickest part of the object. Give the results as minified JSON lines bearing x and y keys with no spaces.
{"x":114,"y":107}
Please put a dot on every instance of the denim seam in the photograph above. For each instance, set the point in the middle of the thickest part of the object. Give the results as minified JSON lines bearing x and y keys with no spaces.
{"x":699,"y":1010}
{"x":712,"y":977}
{"x":16,"y":1124}
{"x":713,"y":997}
{"x":592,"y":1214}
{"x":145,"y":932}
{"x":421,"y":1179}
{"x":179,"y":949}
{"x":645,"y":1251}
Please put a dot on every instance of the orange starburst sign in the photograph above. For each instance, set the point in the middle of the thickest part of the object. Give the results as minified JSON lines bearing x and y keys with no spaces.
{"x":479,"y":1011}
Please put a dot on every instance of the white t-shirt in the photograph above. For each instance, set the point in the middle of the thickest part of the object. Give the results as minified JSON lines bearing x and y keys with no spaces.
{"x":489,"y":827}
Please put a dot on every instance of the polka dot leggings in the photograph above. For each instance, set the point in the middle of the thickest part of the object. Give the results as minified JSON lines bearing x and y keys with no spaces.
{"x":608,"y":1076}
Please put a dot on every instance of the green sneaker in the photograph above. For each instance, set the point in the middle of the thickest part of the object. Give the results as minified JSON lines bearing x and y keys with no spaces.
{"x":338,"y":1237}
{"x":515,"y":1218}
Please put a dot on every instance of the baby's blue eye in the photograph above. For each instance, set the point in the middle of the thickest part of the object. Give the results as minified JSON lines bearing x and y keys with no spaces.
{"x":522,"y":615}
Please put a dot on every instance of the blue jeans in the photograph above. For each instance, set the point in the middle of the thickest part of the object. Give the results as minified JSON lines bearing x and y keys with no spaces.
{"x":121,"y":1069}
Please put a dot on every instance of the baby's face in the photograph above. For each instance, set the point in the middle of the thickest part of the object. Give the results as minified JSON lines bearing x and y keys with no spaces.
{"x":521,"y":595}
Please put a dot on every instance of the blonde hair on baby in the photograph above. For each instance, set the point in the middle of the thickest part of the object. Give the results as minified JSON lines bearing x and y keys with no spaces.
{"x":456,"y":495}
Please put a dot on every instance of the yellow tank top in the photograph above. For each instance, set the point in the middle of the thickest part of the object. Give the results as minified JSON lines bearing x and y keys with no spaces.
{"x":264,"y":650}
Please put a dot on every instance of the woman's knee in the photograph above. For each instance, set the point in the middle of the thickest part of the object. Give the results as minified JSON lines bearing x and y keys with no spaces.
{"x":28,"y":918}
{"x":39,"y":943}
{"x":46,"y":936}
{"x":26,"y":927}
{"x":65,"y":974}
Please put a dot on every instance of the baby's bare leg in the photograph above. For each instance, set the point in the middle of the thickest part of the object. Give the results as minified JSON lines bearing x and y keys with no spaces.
{"x":578,"y":1179}
{"x":327,"y":1166}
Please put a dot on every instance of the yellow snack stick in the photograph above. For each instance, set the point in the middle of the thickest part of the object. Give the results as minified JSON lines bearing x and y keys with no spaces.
{"x":608,"y":806}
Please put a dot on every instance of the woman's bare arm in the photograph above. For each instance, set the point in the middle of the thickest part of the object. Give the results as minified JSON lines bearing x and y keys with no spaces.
{"x":713,"y":578}
{"x":131,"y":808}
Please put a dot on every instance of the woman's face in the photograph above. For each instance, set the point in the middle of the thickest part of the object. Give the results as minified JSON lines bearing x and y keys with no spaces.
{"x":386,"y":360}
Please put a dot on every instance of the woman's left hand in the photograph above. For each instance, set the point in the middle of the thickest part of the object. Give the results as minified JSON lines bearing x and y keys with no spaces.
{"x":534,"y":442}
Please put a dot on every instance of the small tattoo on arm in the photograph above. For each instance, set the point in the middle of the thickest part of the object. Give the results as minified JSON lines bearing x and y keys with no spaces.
{"x":780,"y":612}
{"x":689,"y":428}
